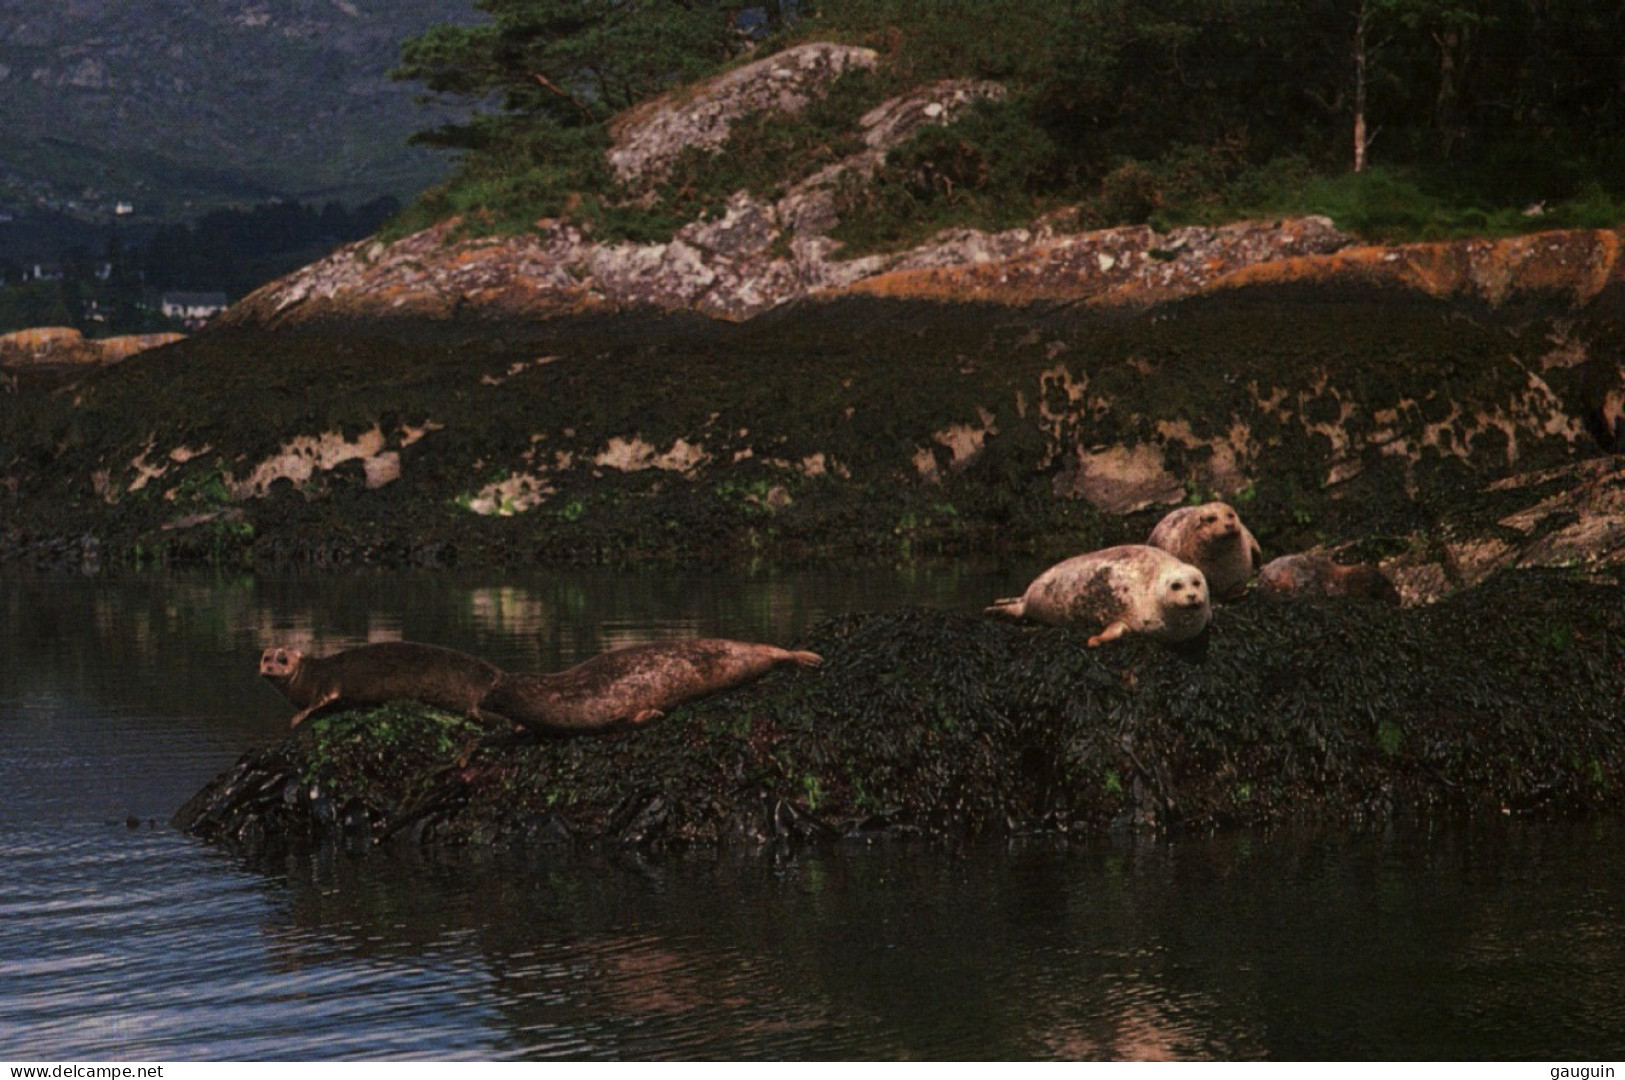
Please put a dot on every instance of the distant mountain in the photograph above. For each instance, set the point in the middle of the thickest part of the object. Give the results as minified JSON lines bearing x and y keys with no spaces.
{"x":172,"y":107}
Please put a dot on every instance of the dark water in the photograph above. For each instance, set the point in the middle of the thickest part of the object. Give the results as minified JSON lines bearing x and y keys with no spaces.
{"x":122,"y":939}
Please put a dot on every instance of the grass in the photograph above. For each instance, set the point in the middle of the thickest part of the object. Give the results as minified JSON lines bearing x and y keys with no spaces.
{"x":1400,"y":205}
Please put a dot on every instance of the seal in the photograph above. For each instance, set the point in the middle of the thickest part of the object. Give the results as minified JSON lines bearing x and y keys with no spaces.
{"x":1211,"y":538}
{"x":1134,"y":588}
{"x":629,"y":687}
{"x":1293,"y":577}
{"x":373,"y":674}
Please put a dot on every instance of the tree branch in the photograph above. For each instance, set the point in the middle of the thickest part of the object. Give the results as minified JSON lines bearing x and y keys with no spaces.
{"x":549,"y":84}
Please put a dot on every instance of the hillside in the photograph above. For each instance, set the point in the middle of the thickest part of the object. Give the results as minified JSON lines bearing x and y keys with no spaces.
{"x":749,"y":387}
{"x":173,"y":107}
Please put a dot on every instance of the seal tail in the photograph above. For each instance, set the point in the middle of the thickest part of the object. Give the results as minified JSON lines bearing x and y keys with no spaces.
{"x":1011,"y":607}
{"x":802,"y":658}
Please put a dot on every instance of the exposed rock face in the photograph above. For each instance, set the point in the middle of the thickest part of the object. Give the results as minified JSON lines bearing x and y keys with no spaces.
{"x":740,"y":265}
{"x":649,"y":137}
{"x":758,"y":255}
{"x":1579,"y":523}
{"x":755,"y":258}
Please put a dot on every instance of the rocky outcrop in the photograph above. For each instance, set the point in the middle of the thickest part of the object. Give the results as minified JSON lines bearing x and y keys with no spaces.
{"x":649,"y":137}
{"x":64,"y":345}
{"x":740,"y":265}
{"x":1137,"y":265}
{"x":757,"y":255}
{"x":763,"y":251}
{"x":1502,"y":700}
{"x":754,"y":258}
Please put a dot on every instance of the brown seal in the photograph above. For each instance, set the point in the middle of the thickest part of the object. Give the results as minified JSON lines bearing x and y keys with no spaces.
{"x":1292,"y":577}
{"x":632,"y":686}
{"x":374,"y":674}
{"x":1134,"y":589}
{"x":1211,"y":538}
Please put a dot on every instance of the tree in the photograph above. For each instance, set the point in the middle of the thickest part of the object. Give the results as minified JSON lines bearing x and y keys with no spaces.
{"x":571,"y":62}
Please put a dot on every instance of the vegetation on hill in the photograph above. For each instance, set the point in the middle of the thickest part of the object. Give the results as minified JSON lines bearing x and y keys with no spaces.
{"x":1398,"y":118}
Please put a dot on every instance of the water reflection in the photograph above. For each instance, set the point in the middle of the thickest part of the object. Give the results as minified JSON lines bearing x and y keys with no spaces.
{"x":119,"y":699}
{"x":190,"y":644}
{"x":1305,"y":945}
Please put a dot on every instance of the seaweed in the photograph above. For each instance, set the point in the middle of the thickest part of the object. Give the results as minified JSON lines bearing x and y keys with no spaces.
{"x":864,"y":429}
{"x":1505,"y":698}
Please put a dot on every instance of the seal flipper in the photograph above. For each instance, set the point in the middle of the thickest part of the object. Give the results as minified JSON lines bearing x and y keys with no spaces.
{"x":1011,"y":607}
{"x":304,"y":714}
{"x":1111,"y":633}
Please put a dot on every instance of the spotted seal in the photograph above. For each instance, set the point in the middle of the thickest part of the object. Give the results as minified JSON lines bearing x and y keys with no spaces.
{"x":376,"y":673}
{"x":1211,"y":538}
{"x":632,"y":686}
{"x":1134,"y":588}
{"x":1315,"y":574}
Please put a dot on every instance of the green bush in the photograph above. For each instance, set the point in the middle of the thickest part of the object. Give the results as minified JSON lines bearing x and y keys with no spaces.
{"x":992,"y":168}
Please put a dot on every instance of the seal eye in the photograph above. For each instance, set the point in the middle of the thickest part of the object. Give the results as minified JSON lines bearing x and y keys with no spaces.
{"x":1208,"y":519}
{"x":1178,"y":586}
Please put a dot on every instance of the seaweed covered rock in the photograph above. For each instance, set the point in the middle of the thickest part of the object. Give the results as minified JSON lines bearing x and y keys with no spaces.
{"x":866,"y":429}
{"x":1504,"y":698}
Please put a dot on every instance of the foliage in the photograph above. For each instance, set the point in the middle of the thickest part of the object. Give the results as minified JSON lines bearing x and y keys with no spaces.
{"x":993,"y":168}
{"x":560,"y":69}
{"x":1134,"y":110}
{"x":573,"y":61}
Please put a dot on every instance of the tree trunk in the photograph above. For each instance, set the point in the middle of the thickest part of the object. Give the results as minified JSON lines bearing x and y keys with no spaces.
{"x":1361,"y":140}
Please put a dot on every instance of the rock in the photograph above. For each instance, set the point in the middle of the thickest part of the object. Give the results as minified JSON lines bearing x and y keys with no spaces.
{"x":63,"y":345}
{"x":648,"y":138}
{"x":1574,"y":518}
{"x":942,"y":724}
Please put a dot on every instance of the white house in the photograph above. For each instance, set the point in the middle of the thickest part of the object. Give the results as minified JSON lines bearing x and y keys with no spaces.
{"x":192,"y":307}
